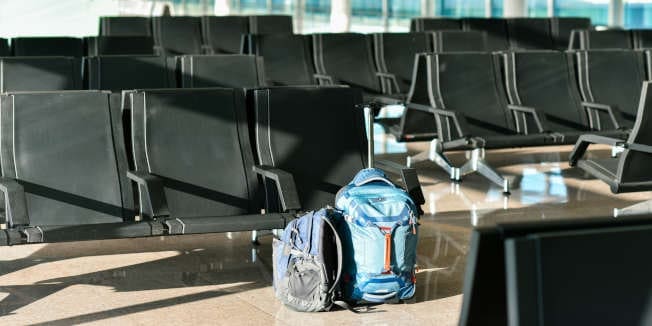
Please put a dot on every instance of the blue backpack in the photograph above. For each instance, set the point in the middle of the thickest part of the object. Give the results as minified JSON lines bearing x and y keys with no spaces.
{"x":379,"y":239}
{"x":307,"y":261}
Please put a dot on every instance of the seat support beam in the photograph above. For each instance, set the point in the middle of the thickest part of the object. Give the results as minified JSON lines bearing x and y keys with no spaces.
{"x":476,"y":163}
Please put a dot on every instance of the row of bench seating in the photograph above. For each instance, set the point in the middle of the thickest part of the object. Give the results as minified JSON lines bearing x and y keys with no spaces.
{"x":77,"y":47}
{"x":530,"y":98}
{"x":196,"y":35}
{"x":514,"y":33}
{"x":167,"y":35}
{"x":117,"y":73}
{"x":201,"y":160}
{"x":380,"y":64}
{"x":611,"y":39}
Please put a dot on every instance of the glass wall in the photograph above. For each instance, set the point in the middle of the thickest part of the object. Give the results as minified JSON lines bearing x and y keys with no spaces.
{"x":44,"y":17}
{"x":597,"y":10}
{"x":461,"y":8}
{"x":537,"y":8}
{"x":638,"y":13}
{"x":400,"y":13}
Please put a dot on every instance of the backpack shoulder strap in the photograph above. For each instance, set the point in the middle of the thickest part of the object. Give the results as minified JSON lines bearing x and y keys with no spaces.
{"x":338,"y":245}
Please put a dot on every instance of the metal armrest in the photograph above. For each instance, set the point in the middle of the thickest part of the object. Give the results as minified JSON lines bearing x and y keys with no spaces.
{"x":458,"y":121}
{"x":15,"y":204}
{"x":207,"y":49}
{"x":584,"y":141}
{"x":387,"y":81}
{"x":594,"y":108}
{"x":520,"y":113}
{"x":323,"y":79}
{"x":153,"y":194}
{"x":638,"y":147}
{"x":285,"y":185}
{"x":409,"y":177}
{"x":158,"y":50}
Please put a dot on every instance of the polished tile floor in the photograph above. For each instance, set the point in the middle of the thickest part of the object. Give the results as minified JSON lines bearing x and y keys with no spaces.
{"x":222,"y":279}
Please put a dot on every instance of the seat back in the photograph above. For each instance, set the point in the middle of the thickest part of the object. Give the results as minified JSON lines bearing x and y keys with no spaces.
{"x":396,"y":51}
{"x":530,"y":33}
{"x":496,"y":29}
{"x":348,"y":57}
{"x":66,"y":149}
{"x":119,"y":45}
{"x":227,"y":70}
{"x":642,"y":38}
{"x":288,"y":59}
{"x":196,"y":141}
{"x":39,"y":74}
{"x":467,"y":82}
{"x":633,"y":165}
{"x":612,"y":77}
{"x":223,"y":34}
{"x":270,"y":24}
{"x":320,"y":161}
{"x":117,"y":73}
{"x":545,"y":81}
{"x":4,"y":47}
{"x":47,"y":46}
{"x":125,"y":26}
{"x":561,"y":28}
{"x":424,"y":24}
{"x":459,"y":41}
{"x":177,"y":34}
{"x":609,"y":39}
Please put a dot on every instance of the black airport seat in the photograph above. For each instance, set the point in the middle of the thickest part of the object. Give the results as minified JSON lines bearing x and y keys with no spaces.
{"x":459,"y":41}
{"x":464,"y":92}
{"x":223,"y":34}
{"x":270,"y":24}
{"x":496,"y":29}
{"x":194,"y":162}
{"x":513,"y":276}
{"x":425,"y":24}
{"x":47,"y":46}
{"x":642,"y":38}
{"x":225,"y":70}
{"x":530,"y":33}
{"x":583,"y":39}
{"x":545,"y":81}
{"x":4,"y":47}
{"x":119,"y":45}
{"x":125,"y":26}
{"x":395,"y":53}
{"x":348,"y":59}
{"x":284,"y":143}
{"x":64,"y":163}
{"x":614,"y":78}
{"x":176,"y":35}
{"x":630,"y":170}
{"x":287,"y":57}
{"x":117,"y":73}
{"x":562,"y":27}
{"x":40,"y":74}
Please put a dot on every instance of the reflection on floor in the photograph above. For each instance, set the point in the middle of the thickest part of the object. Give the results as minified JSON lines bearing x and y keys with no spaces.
{"x":222,"y":279}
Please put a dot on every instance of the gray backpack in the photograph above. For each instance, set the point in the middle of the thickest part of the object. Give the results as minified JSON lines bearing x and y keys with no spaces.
{"x":307,"y":261}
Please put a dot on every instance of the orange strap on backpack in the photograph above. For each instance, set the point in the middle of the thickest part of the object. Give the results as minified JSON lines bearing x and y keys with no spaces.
{"x":388,"y":249}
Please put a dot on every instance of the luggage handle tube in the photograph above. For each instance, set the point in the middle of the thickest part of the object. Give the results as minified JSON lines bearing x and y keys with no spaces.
{"x":369,"y":117}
